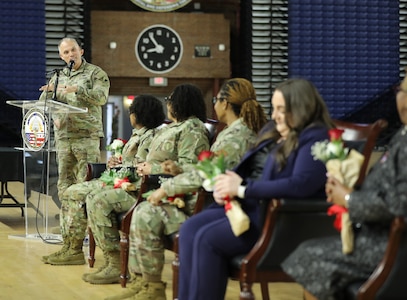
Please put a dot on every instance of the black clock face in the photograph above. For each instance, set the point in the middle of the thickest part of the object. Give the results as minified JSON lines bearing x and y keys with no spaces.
{"x":159,"y":49}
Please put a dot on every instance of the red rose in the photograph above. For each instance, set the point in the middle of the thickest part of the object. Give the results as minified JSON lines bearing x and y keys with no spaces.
{"x":205,"y":154}
{"x":118,"y":182}
{"x":124,"y":141}
{"x":335,"y":134}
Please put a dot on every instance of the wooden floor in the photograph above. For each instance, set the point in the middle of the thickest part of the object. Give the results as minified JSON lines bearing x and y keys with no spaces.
{"x":24,"y":276}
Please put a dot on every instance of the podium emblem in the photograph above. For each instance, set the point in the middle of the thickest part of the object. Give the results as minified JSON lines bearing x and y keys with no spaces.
{"x":34,"y":129}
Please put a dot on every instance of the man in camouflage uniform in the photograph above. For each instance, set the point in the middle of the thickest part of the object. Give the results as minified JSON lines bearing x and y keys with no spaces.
{"x":77,"y":136}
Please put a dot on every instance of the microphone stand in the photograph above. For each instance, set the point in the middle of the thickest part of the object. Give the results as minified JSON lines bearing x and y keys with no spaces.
{"x":54,"y":94}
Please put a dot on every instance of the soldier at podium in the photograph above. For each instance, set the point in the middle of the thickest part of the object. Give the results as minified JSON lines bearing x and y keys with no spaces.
{"x":77,"y":136}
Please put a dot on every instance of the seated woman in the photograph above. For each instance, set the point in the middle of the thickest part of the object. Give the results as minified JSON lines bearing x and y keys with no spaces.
{"x":180,"y":141}
{"x":146,"y":113}
{"x":236,"y":106}
{"x":280,"y":165}
{"x":319,"y":264}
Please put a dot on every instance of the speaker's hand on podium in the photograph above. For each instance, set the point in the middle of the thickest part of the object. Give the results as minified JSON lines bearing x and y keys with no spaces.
{"x":47,"y":87}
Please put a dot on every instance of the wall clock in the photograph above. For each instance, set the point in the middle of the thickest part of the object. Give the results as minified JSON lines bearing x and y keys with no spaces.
{"x":159,"y":48}
{"x":160,"y":5}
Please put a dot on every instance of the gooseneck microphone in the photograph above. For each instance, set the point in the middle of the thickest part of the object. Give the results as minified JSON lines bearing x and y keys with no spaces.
{"x":70,"y":66}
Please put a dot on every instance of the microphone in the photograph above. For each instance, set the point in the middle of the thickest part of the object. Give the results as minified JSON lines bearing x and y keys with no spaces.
{"x":70,"y":66}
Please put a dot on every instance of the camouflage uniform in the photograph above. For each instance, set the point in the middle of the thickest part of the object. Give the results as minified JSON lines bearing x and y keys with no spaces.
{"x":73,"y":217}
{"x":149,"y":223}
{"x":77,"y":139}
{"x":180,"y":142}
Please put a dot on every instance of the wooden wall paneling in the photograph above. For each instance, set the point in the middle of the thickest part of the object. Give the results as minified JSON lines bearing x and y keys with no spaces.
{"x":193,"y":28}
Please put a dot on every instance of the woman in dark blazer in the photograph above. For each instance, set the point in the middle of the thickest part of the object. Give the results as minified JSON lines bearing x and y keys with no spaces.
{"x":280,"y":165}
{"x":319,"y":264}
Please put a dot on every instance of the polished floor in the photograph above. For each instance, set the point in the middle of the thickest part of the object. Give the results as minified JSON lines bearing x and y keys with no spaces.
{"x":24,"y":276}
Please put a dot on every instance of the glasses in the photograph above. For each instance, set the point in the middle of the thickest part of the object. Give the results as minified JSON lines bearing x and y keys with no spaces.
{"x":215,"y":99}
{"x":166,"y":99}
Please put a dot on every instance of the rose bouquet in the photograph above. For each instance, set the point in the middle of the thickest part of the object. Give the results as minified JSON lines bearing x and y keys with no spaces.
{"x":177,"y":199}
{"x":344,"y":165}
{"x":116,"y":147}
{"x":118,"y":178}
{"x":209,"y":166}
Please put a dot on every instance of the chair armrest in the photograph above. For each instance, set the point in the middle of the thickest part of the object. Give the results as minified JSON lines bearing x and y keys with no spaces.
{"x":370,"y":288}
{"x":303,"y":205}
{"x":151,"y":182}
{"x":287,"y":223}
{"x":94,"y":170}
{"x":148,"y":183}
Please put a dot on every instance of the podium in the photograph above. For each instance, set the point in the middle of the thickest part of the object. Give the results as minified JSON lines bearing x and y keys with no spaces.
{"x":41,"y":203}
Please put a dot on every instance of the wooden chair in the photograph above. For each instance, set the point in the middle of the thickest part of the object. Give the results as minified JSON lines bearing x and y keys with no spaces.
{"x":149,"y":182}
{"x":388,"y":279}
{"x":94,"y":170}
{"x":362,"y":137}
{"x":287,"y":223}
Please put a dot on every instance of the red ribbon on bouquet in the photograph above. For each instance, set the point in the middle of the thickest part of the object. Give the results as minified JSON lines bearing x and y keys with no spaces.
{"x":228,"y":205}
{"x":337,"y":210}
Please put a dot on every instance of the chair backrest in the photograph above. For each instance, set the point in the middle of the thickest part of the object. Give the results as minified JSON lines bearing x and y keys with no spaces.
{"x":212,"y":126}
{"x":94,"y":170}
{"x":361,"y":137}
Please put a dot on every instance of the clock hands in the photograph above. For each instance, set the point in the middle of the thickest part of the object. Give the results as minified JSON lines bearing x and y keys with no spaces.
{"x":158,"y":48}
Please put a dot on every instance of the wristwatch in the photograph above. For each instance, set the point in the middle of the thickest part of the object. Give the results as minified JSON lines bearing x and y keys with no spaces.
{"x":347,"y":198}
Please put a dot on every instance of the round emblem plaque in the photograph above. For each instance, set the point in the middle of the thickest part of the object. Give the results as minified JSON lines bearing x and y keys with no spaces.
{"x":160,"y":5}
{"x":34,"y":129}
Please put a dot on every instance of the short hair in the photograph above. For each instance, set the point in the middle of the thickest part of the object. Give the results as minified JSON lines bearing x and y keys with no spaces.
{"x":148,"y":110}
{"x":186,"y":101}
{"x":69,"y":39}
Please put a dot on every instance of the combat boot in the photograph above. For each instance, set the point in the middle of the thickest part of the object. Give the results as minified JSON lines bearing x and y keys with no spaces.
{"x":131,"y":289}
{"x":105,"y":264}
{"x":151,"y":291}
{"x":65,"y":247}
{"x":110,"y":274}
{"x":74,"y":255}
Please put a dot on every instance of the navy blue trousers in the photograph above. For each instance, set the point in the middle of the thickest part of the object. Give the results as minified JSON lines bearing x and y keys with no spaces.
{"x":206,"y":244}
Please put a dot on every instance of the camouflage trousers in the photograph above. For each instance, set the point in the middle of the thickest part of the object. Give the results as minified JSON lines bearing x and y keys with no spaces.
{"x":102,"y":207}
{"x":73,"y":218}
{"x":148,"y":226}
{"x":73,"y":155}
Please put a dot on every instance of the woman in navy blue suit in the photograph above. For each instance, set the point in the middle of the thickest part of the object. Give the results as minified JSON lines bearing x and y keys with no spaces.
{"x":280,"y":165}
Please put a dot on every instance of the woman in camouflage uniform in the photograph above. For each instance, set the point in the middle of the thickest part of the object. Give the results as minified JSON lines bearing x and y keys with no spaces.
{"x":146,"y":113}
{"x":236,"y":106}
{"x":180,"y":141}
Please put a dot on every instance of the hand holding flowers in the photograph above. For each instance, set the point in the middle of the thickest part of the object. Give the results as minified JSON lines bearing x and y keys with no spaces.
{"x":209,"y":166}
{"x":117,"y":177}
{"x":343,"y":168}
{"x":224,"y":185}
{"x":116,"y":147}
